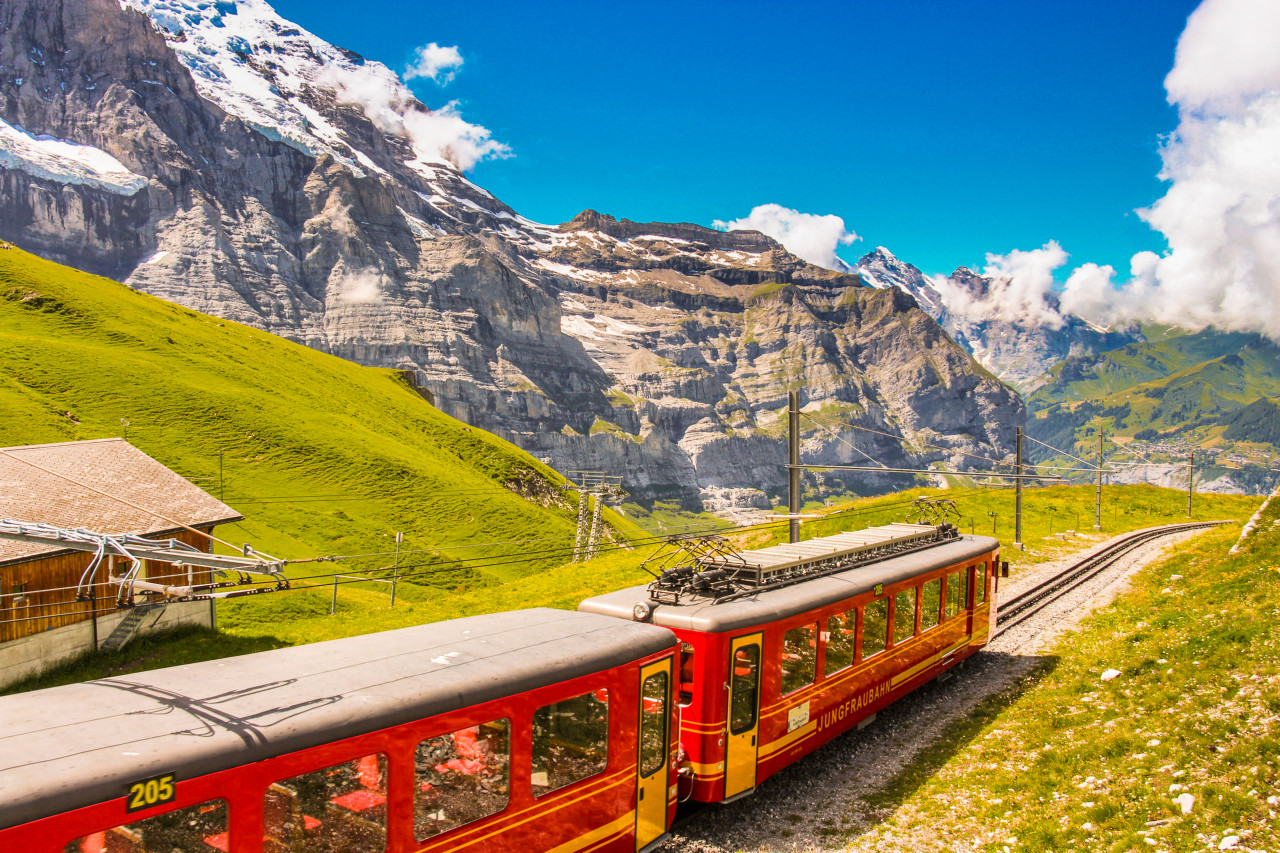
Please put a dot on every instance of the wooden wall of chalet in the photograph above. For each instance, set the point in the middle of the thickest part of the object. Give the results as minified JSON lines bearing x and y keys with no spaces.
{"x":49,"y":585}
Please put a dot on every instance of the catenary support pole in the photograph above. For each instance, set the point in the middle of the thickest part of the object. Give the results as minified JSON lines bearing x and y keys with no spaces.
{"x":1097,"y":501}
{"x":1191,"y":478}
{"x":1017,"y":500}
{"x":395,"y":569}
{"x":793,"y":457}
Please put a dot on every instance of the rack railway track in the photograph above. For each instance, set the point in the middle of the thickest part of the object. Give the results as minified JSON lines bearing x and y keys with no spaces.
{"x":1030,"y":602}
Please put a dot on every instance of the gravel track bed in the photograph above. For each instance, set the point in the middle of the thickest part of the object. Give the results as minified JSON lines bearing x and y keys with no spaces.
{"x":815,"y":804}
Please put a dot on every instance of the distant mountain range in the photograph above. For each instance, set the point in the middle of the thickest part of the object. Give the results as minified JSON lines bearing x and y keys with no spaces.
{"x":223,"y":158}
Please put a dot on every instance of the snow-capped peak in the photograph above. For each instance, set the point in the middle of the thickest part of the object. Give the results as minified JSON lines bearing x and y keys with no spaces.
{"x":279,"y":78}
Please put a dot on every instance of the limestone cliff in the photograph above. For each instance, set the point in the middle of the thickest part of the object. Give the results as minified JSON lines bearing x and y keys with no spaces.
{"x":211,"y":154}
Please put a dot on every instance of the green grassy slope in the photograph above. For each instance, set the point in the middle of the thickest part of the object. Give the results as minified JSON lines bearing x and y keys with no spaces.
{"x":1181,"y":751}
{"x":1164,"y":352}
{"x":320,"y":455}
{"x":1158,"y":394}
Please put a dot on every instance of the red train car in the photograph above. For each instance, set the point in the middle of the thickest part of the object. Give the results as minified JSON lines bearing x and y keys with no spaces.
{"x":528,"y":731}
{"x":787,"y":647}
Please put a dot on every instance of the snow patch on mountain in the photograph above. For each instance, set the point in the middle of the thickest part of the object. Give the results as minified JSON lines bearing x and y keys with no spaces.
{"x":263,"y":69}
{"x":54,"y":159}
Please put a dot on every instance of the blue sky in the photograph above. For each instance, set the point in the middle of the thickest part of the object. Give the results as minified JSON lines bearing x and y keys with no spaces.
{"x":941,"y":130}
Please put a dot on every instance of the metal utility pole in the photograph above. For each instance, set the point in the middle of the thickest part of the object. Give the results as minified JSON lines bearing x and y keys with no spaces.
{"x":395,"y":569}
{"x":1097,"y":503}
{"x":1017,"y":499}
{"x":221,"y":481}
{"x":793,"y":459}
{"x":1191,"y":478}
{"x":597,"y":484}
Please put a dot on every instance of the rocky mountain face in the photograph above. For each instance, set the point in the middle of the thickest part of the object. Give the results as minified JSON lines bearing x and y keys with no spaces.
{"x":220,"y":157}
{"x":1021,"y":352}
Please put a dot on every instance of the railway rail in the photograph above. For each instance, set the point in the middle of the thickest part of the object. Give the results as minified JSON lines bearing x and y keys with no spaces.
{"x":1030,"y":602}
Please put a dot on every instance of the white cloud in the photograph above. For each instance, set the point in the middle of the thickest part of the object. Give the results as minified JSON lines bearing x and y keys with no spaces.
{"x":362,"y":288}
{"x":810,"y":236}
{"x":1016,"y":289}
{"x":1221,"y":214}
{"x":437,"y":136}
{"x":435,"y":62}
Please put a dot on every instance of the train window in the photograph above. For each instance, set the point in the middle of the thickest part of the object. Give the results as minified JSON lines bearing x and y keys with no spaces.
{"x":202,"y":828}
{"x":839,"y":641}
{"x":461,"y":777}
{"x":875,"y":627}
{"x":744,"y":691}
{"x":338,"y":809}
{"x":904,"y":615}
{"x":570,"y":741}
{"x":979,"y":584}
{"x":954,"y":602}
{"x":799,"y":657}
{"x":930,"y":604}
{"x":686,"y":674}
{"x":653,"y":724}
{"x":963,"y":580}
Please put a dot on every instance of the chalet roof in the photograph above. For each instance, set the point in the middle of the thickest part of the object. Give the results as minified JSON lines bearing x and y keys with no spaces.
{"x":111,"y":465}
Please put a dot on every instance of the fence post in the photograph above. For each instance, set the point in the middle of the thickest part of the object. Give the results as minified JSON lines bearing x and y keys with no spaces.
{"x":333,"y":605}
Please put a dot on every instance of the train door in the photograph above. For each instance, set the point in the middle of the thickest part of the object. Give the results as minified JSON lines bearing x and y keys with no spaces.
{"x":744,"y":715}
{"x":652,"y":762}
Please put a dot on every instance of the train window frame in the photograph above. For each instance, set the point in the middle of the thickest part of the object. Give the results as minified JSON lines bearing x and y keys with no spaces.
{"x":748,"y":722}
{"x":936,"y":615}
{"x":662,"y":716}
{"x":546,"y":768}
{"x":465,"y":766}
{"x":850,"y":617}
{"x":862,"y":628}
{"x":77,"y":844}
{"x":688,"y":656}
{"x":814,"y":627}
{"x":330,"y":769}
{"x":914,"y":592}
{"x":952,"y":606}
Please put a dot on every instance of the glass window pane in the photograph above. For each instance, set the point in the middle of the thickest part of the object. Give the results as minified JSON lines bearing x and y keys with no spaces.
{"x":745,"y":685}
{"x":340,"y":809}
{"x":953,"y":594}
{"x":799,"y":657}
{"x":980,"y":583}
{"x":930,"y":604}
{"x":653,"y":724}
{"x":839,"y":641}
{"x":686,"y":674}
{"x":201,"y":828}
{"x":904,"y":615}
{"x":570,"y":741}
{"x":875,"y":627}
{"x":963,"y":579}
{"x":461,"y":777}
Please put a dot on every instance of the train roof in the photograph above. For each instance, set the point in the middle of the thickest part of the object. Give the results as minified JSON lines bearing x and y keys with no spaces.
{"x":769,"y":605}
{"x":69,"y":747}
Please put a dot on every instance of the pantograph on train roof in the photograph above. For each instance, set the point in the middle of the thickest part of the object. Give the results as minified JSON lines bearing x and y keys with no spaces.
{"x":710,"y":567}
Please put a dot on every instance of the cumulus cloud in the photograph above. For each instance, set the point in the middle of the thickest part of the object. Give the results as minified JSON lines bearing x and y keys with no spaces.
{"x":437,"y":136}
{"x":362,"y":288}
{"x":810,"y":236}
{"x":1016,"y":291}
{"x":1221,"y":214}
{"x":434,"y":62}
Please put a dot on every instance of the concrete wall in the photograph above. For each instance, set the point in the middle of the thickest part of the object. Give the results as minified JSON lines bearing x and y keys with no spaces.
{"x":29,"y":656}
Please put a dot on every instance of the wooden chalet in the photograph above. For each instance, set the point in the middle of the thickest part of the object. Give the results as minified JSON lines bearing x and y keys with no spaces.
{"x":55,"y":484}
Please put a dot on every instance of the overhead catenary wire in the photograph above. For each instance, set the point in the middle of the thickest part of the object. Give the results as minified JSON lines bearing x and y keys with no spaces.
{"x":815,"y":418}
{"x":478,"y":563}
